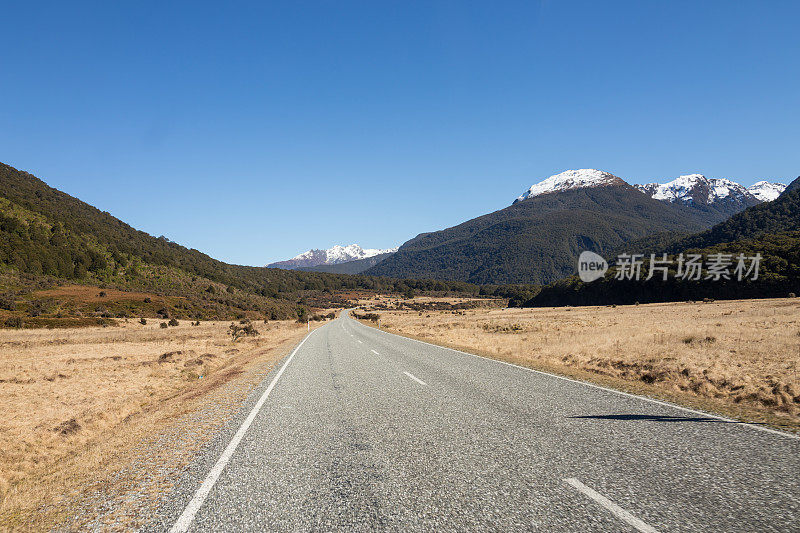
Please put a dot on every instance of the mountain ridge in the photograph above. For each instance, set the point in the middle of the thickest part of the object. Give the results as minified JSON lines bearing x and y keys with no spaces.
{"x":332,"y":256}
{"x":536,"y":239}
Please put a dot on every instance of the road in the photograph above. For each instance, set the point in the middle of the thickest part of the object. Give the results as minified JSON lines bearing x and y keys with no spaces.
{"x":364,"y":430}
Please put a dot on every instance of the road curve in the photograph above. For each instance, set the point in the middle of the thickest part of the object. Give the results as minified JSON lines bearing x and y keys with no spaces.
{"x":363,"y":430}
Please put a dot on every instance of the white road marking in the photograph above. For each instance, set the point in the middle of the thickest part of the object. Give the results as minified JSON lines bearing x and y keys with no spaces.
{"x":592,"y":385}
{"x":359,"y":341}
{"x":415,"y":378}
{"x":185,"y":520}
{"x":373,"y":351}
{"x":615,"y":509}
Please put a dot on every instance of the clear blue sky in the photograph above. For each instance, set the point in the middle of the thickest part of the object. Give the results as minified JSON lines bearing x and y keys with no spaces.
{"x":254,"y":131}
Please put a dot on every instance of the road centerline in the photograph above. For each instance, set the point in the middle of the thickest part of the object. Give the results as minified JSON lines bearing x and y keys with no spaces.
{"x":415,"y":378}
{"x":612,"y":507}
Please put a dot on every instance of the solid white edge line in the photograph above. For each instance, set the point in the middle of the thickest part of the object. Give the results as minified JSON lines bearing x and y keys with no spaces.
{"x":592,"y":385}
{"x":185,"y":520}
{"x":415,"y":378}
{"x":615,"y":509}
{"x":373,"y":351}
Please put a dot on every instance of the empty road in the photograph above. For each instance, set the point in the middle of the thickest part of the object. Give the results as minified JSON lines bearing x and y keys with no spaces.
{"x":362,"y":430}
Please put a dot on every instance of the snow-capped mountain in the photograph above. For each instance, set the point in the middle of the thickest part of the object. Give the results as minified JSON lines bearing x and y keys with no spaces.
{"x":571,"y":179}
{"x":697,"y":189}
{"x":331,"y":256}
{"x":766,"y":191}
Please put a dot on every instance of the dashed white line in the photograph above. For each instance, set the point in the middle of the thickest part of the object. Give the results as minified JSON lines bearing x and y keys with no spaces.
{"x":373,"y":351}
{"x":615,"y":509}
{"x":415,"y":378}
{"x":185,"y":520}
{"x":600,"y":387}
{"x":359,"y":341}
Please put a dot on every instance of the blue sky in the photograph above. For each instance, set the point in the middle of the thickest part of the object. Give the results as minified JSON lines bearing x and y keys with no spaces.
{"x":254,"y":131}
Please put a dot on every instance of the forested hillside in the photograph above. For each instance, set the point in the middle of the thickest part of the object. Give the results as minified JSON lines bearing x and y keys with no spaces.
{"x":45,"y":233}
{"x":537,"y":240}
{"x":771,"y":229}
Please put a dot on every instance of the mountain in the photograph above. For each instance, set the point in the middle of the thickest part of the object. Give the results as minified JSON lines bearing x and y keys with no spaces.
{"x":331,"y":256}
{"x":356,"y":266}
{"x":538,"y":238}
{"x":715,"y":198}
{"x":766,"y":191}
{"x":48,"y":237}
{"x":771,"y":229}
{"x":571,"y":179}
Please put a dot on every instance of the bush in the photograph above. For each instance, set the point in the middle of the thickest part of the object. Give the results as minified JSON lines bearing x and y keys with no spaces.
{"x":163,"y":325}
{"x":173,"y":322}
{"x":143,"y":321}
{"x":237,"y":331}
{"x":102,"y":294}
{"x":13,"y":322}
{"x":7,"y":302}
{"x":147,"y":300}
{"x":163,"y":312}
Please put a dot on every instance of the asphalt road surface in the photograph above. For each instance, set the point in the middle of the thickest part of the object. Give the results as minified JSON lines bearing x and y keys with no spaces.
{"x":361,"y":430}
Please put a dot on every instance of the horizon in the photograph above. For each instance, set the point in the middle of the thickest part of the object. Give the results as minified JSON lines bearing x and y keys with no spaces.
{"x":281,"y":121}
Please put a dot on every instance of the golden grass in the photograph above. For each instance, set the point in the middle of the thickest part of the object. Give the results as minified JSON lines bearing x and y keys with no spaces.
{"x":77,"y":402}
{"x":740,"y":358}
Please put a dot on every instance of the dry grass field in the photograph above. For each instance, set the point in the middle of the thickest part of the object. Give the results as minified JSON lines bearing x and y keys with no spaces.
{"x":739,"y":358}
{"x":78,"y":403}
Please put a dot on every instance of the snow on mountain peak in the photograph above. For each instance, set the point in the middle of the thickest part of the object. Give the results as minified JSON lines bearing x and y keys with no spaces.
{"x":766,"y":191}
{"x":571,"y":179}
{"x":332,"y":256}
{"x":695,"y":188}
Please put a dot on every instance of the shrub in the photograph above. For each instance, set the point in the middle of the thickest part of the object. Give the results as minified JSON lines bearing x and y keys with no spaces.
{"x":792,"y":295}
{"x":237,"y":331}
{"x":143,"y":321}
{"x":163,"y":325}
{"x":102,"y":294}
{"x":173,"y":322}
{"x":7,"y":302}
{"x":13,"y":322}
{"x":147,"y":300}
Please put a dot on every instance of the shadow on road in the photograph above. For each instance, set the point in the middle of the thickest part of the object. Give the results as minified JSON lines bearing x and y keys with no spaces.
{"x":657,"y":418}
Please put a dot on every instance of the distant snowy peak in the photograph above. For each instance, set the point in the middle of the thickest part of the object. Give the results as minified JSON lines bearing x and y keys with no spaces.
{"x":331,"y":256}
{"x":571,"y":179}
{"x":695,"y":188}
{"x":342,"y":254}
{"x":766,"y":191}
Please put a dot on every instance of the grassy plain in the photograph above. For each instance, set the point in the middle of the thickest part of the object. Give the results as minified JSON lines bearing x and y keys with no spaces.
{"x":79,"y":404}
{"x":739,"y":358}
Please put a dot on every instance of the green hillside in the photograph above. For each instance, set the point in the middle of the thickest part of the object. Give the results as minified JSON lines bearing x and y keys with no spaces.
{"x":537,"y":240}
{"x":771,"y":229}
{"x":48,"y":237}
